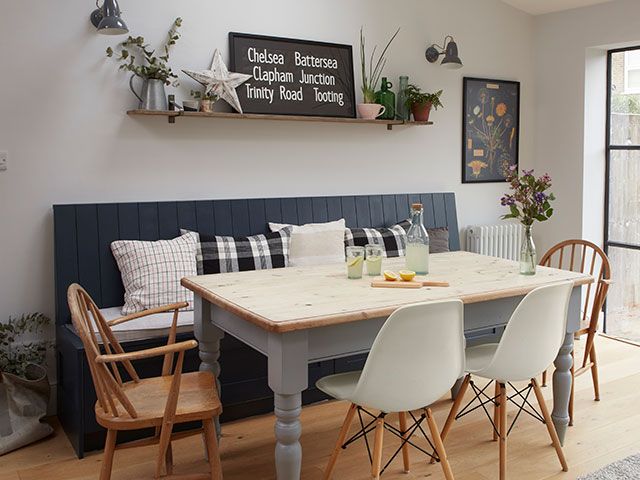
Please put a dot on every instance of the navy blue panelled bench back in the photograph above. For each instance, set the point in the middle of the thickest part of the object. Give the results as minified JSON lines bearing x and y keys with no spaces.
{"x":83,"y":234}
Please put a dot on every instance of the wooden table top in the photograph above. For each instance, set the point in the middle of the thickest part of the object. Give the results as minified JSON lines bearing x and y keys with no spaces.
{"x":296,"y":298}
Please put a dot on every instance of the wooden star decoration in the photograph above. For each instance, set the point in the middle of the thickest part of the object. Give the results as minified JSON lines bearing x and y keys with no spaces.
{"x":219,"y":81}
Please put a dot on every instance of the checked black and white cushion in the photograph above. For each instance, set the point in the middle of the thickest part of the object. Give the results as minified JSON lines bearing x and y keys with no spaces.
{"x":394,"y":239}
{"x":217,"y":254}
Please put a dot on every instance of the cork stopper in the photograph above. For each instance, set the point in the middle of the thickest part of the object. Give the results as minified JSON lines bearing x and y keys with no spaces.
{"x":416,"y":206}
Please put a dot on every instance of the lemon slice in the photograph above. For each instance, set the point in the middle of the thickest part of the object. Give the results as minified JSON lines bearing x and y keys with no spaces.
{"x":354,"y":261}
{"x":407,"y":275}
{"x":390,"y":276}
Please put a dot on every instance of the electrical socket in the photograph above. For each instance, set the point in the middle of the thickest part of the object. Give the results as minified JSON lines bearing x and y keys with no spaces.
{"x":4,"y":158}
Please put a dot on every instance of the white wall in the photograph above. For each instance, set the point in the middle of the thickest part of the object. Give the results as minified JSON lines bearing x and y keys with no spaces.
{"x":570,"y":85}
{"x":62,"y":116}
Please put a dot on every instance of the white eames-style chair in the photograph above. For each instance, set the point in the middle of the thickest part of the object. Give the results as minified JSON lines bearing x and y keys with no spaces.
{"x":528,"y":346}
{"x":415,"y":359}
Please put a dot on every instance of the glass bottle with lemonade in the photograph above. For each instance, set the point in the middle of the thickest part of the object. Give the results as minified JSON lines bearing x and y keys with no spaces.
{"x":417,"y":254}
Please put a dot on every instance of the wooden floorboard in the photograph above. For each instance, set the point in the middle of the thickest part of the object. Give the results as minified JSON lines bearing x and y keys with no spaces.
{"x":605,"y":431}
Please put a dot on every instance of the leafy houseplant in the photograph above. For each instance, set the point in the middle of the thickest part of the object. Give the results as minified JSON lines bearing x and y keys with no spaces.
{"x":15,"y":355}
{"x":371,"y":78}
{"x":206,"y":100}
{"x":152,"y":68}
{"x":421,"y":102}
{"x":24,"y":386}
{"x":527,"y":203}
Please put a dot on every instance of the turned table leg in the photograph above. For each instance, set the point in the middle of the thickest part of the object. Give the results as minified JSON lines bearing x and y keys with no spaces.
{"x":208,"y":336}
{"x":288,"y":377}
{"x":562,"y":378}
{"x":562,"y":387}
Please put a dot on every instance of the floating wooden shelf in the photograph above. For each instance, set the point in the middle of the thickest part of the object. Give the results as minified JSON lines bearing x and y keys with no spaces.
{"x":173,"y":114}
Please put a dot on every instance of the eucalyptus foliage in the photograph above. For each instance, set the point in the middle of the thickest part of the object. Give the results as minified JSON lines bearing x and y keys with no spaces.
{"x":371,"y":78}
{"x":151,"y":66}
{"x":415,"y":96}
{"x":15,"y":353}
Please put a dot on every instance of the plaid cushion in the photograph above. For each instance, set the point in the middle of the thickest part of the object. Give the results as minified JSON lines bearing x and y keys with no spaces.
{"x":394,"y":239}
{"x":151,"y":271}
{"x":228,"y":254}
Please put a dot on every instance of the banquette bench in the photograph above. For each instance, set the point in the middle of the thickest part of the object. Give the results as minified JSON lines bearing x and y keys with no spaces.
{"x":83,"y":234}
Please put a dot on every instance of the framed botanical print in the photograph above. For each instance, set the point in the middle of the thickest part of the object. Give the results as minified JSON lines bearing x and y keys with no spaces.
{"x":490,"y":130}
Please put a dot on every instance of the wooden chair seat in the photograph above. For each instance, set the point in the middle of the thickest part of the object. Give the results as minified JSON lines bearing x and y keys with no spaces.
{"x":198,"y":400}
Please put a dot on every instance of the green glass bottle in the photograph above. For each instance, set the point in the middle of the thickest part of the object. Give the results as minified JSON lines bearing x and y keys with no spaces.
{"x":386,"y":98}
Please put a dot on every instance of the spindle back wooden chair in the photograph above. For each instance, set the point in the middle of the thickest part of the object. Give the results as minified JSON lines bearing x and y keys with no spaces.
{"x":585,"y":257}
{"x":158,"y":402}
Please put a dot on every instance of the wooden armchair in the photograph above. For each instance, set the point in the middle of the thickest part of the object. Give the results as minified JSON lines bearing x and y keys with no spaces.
{"x":584,"y":256}
{"x":158,"y":402}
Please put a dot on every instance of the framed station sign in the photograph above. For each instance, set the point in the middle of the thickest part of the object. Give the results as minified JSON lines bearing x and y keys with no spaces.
{"x":293,"y":77}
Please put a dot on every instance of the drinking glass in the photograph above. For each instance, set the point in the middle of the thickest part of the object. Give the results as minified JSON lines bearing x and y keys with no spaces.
{"x":374,"y":253}
{"x":355,"y":261}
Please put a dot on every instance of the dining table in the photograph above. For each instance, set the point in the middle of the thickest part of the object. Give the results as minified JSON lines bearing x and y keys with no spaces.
{"x":299,"y":315}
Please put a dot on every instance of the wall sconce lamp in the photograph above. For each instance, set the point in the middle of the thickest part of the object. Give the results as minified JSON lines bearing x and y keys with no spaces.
{"x":106,"y":18}
{"x":449,"y":49}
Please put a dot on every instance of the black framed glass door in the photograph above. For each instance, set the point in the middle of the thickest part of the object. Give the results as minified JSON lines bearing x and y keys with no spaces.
{"x":622,"y":193}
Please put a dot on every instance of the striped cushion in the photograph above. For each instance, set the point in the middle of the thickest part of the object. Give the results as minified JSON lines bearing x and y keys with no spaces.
{"x":151,"y":271}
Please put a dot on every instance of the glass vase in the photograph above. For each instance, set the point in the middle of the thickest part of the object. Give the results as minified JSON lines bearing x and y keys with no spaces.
{"x":528,"y":255}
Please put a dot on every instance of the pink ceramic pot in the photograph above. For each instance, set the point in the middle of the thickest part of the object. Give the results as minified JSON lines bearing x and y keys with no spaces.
{"x":370,"y":111}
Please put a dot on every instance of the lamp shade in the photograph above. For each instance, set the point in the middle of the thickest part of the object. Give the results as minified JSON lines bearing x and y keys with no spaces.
{"x":107,"y":19}
{"x":451,"y":59}
{"x":112,"y":26}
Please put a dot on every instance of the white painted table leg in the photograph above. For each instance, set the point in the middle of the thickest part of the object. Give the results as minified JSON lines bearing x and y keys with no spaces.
{"x":208,"y":336}
{"x":562,"y":378}
{"x":562,"y":387}
{"x":288,"y":377}
{"x":288,"y":430}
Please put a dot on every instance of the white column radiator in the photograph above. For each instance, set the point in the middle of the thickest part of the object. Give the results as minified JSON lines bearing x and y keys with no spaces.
{"x":495,"y":240}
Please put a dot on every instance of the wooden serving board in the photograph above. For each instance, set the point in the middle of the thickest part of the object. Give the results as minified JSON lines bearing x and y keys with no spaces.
{"x":403,"y":284}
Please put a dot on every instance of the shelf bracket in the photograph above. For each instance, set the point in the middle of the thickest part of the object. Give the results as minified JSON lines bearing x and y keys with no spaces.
{"x":172,"y":107}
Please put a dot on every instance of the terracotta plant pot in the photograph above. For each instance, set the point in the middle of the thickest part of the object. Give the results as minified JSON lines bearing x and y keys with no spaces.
{"x":421,"y":111}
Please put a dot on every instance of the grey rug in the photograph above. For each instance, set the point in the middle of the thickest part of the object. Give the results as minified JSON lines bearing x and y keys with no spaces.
{"x":626,"y":469}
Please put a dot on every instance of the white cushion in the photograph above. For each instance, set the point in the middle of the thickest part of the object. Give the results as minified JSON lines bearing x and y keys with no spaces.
{"x":151,"y":326}
{"x":315,"y":243}
{"x":151,"y":271}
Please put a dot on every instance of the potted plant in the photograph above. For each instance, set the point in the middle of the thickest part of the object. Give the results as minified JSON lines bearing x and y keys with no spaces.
{"x":528,"y":202}
{"x":369,"y":109}
{"x":206,"y":101}
{"x":24,"y":386}
{"x":153,"y":69}
{"x":420,"y":103}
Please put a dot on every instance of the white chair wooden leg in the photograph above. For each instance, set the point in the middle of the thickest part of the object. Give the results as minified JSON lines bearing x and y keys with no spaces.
{"x":348,"y":419}
{"x":437,"y":442}
{"x":376,"y":465}
{"x":550,"y":427}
